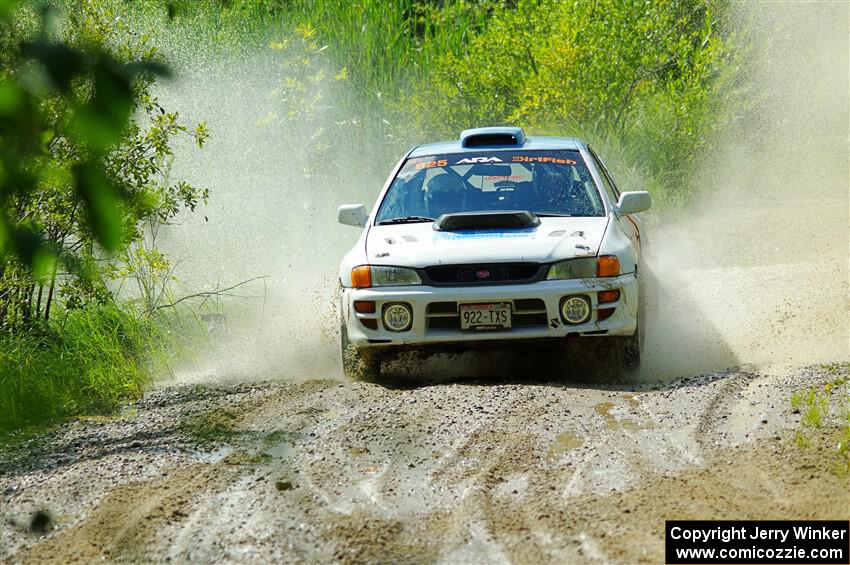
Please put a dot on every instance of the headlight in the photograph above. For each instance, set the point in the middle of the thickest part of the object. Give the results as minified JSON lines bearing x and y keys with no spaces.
{"x":394,"y":276}
{"x":583,"y":268}
{"x":575,"y":309}
{"x":366,"y":276}
{"x":397,"y":317}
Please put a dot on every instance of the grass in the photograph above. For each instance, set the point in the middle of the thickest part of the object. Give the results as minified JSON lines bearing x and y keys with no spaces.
{"x":386,"y":44}
{"x":88,"y":361}
{"x":822,"y":408}
{"x":382,"y":43}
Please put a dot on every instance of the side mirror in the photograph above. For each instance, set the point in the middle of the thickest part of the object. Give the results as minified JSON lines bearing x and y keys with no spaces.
{"x":634,"y":202}
{"x":353,"y":215}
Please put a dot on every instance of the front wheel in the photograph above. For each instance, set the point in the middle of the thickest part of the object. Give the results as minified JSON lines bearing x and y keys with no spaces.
{"x":358,"y":364}
{"x":632,"y":347}
{"x":595,"y":358}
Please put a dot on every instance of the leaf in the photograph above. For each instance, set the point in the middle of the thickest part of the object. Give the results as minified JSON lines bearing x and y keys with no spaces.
{"x":170,"y":9}
{"x":101,"y":202}
{"x":24,"y":241}
{"x":44,"y":263}
{"x":60,"y":61}
{"x":99,"y":123}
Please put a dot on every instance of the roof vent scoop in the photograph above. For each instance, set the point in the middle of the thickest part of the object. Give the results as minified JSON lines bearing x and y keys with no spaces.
{"x":492,"y":137}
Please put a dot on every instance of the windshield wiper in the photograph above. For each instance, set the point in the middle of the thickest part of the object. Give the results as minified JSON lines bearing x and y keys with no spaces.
{"x":406,"y":220}
{"x":553,"y":215}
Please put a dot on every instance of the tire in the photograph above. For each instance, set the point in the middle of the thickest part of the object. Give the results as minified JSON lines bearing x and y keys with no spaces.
{"x":635,"y":345}
{"x":632,"y":348}
{"x":595,"y":358}
{"x":358,"y":364}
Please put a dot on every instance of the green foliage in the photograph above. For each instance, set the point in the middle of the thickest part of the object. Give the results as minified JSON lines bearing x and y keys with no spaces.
{"x":87,"y":360}
{"x":387,"y":45}
{"x":824,"y":408}
{"x":646,"y":80}
{"x":650,"y":83}
{"x":59,"y":119}
{"x":813,"y":406}
{"x":78,"y":178}
{"x":85,"y":155}
{"x":96,"y":358}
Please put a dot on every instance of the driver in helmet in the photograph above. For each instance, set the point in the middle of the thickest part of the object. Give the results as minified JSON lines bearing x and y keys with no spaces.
{"x":444,"y":195}
{"x":553,"y":184}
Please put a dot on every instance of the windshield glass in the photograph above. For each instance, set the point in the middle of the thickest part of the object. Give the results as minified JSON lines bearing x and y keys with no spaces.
{"x":548,"y":183}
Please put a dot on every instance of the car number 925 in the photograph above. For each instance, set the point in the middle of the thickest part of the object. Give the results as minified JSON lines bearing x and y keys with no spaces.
{"x":485,"y":316}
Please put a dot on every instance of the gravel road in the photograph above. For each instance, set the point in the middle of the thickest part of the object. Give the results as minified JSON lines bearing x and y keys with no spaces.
{"x":480,"y":470}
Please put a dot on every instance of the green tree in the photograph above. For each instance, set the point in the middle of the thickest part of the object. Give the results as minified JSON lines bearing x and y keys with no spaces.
{"x":84,"y":155}
{"x":645,"y":78}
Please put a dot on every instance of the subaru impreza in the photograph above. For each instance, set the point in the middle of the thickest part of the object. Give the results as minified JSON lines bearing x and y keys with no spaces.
{"x":496,"y":239}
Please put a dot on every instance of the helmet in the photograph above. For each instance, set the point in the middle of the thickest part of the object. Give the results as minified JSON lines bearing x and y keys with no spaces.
{"x":443,"y":194}
{"x":553,"y":184}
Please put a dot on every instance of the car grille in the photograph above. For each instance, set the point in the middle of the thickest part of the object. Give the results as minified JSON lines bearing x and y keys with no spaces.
{"x":526,"y":312}
{"x":493,"y":273}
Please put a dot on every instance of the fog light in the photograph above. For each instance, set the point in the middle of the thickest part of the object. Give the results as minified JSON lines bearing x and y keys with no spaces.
{"x":575,"y":309}
{"x":397,"y":317}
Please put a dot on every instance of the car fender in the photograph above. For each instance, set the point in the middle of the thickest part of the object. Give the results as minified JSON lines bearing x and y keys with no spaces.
{"x":616,"y":242}
{"x":355,"y":256}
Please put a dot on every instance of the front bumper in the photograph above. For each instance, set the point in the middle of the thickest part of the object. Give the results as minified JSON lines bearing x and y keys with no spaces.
{"x":536,"y":312}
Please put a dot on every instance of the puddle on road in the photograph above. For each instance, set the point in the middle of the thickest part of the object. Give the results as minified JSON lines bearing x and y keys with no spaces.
{"x":280,"y":444}
{"x":255,"y":447}
{"x":633,"y":402}
{"x":611,"y":421}
{"x":563,"y":444}
{"x":280,"y":451}
{"x":215,"y":455}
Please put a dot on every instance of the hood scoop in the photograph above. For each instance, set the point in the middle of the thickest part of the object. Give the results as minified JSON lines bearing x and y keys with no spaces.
{"x":512,"y":220}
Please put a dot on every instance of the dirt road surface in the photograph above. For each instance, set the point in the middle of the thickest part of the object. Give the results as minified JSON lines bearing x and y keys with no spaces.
{"x":492,"y":471}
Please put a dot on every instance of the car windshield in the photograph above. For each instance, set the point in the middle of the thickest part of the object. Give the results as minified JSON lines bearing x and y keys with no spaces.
{"x":548,"y":183}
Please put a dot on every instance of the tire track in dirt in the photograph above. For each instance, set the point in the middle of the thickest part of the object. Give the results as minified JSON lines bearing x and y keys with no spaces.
{"x":126,"y":524}
{"x":465,"y":471}
{"x":719,"y":405}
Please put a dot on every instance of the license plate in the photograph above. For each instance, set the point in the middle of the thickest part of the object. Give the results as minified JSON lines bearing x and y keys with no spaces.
{"x":485,"y":316}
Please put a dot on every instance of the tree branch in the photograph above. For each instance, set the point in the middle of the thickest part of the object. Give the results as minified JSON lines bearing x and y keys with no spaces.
{"x":208,"y":293}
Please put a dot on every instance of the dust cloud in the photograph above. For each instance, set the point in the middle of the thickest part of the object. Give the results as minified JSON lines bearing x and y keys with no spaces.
{"x":756,"y":272}
{"x":271,"y":213}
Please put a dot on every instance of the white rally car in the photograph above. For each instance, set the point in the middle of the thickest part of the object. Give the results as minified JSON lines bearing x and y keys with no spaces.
{"x":494,"y":239}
